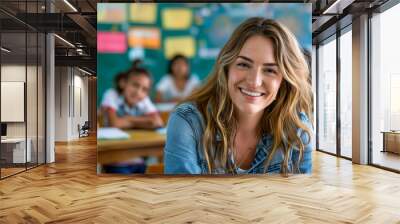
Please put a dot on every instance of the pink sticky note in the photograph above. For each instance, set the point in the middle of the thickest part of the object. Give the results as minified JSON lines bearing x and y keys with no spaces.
{"x":111,"y":42}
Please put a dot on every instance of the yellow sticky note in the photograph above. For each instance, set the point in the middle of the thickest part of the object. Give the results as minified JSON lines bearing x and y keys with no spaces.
{"x":179,"y":45}
{"x":175,"y":19}
{"x":143,"y":13}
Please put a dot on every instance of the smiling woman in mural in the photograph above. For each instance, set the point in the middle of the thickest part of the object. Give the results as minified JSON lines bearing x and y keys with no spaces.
{"x":254,"y":113}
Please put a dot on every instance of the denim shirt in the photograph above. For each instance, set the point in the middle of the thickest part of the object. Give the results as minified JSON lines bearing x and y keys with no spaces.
{"x":183,"y":152}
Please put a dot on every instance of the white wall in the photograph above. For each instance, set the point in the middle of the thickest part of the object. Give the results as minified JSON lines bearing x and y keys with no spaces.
{"x":71,"y":102}
{"x":17,"y":73}
{"x":14,"y":73}
{"x":80,"y":110}
{"x":61,"y":104}
{"x":33,"y":127}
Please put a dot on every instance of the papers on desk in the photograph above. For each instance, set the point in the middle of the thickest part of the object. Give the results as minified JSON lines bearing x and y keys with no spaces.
{"x":111,"y":133}
{"x":161,"y":107}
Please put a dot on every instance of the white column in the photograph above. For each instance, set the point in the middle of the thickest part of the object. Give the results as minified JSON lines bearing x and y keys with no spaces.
{"x":50,"y":100}
{"x":50,"y":92}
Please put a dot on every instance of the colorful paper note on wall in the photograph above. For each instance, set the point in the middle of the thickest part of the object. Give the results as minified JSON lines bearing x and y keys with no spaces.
{"x":143,"y":13}
{"x":111,"y":13}
{"x":111,"y":42}
{"x":145,"y":37}
{"x":175,"y":19}
{"x":179,"y":45}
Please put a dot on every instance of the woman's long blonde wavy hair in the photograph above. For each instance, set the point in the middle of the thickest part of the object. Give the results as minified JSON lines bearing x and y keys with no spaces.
{"x":280,"y":118}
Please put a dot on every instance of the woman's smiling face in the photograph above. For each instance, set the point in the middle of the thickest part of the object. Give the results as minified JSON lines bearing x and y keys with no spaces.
{"x":254,"y":78}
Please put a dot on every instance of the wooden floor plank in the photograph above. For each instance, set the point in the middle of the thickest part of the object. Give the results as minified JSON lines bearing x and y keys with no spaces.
{"x":69,"y":191}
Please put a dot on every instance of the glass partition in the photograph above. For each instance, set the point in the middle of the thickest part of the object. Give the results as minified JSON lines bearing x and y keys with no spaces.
{"x":22,"y":88}
{"x":15,"y":151}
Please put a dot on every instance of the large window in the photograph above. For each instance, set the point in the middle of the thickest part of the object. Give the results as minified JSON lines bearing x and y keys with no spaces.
{"x":333,"y":137}
{"x":346,"y":93}
{"x":385,"y":88}
{"x":327,"y":96}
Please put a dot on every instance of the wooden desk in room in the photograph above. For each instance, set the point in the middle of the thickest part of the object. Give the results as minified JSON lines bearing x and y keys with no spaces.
{"x":140,"y":143}
{"x":391,"y":141}
{"x":14,"y":152}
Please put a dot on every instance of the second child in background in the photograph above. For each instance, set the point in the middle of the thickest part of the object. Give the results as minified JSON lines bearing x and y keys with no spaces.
{"x":134,"y":109}
{"x":178,"y":83}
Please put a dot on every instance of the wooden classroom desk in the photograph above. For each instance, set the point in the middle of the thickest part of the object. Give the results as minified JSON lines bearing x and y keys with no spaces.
{"x":140,"y":143}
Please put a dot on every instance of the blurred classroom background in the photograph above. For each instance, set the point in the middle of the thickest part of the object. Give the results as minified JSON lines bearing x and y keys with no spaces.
{"x":154,"y":33}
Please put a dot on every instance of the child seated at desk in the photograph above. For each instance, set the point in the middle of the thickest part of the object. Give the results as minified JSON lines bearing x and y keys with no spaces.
{"x":179,"y":83}
{"x":133,"y":107}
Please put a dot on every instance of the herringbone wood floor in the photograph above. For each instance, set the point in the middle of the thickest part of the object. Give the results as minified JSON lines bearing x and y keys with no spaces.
{"x":69,"y":191}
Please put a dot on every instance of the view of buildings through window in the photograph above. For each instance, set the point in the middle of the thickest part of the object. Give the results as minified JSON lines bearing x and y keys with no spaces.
{"x":385,"y":86}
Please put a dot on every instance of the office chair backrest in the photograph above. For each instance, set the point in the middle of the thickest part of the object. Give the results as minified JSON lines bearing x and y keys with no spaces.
{"x":86,"y":125}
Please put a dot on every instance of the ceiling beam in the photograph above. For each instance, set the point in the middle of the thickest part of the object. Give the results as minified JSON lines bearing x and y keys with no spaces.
{"x":81,"y":61}
{"x":86,"y":27}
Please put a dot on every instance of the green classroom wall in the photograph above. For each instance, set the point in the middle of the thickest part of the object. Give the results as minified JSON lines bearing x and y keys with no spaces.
{"x":211,"y":27}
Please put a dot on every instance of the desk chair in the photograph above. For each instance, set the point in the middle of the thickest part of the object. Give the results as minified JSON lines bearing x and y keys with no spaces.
{"x":155,"y":169}
{"x":164,"y":116}
{"x":84,"y":130}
